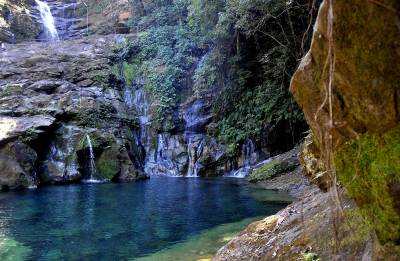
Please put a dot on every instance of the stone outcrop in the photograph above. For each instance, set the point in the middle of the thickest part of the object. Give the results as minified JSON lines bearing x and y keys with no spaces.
{"x":309,"y":228}
{"x":17,"y":162}
{"x":16,"y":23}
{"x":350,"y":100}
{"x":52,"y":95}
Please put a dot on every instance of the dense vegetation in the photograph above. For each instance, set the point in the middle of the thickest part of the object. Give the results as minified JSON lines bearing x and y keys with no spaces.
{"x":241,"y":53}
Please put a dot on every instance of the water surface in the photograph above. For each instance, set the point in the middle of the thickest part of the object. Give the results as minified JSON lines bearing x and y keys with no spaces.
{"x":151,"y":220}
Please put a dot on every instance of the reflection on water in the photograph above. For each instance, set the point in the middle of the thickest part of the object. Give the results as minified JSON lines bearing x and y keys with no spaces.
{"x":163,"y":216}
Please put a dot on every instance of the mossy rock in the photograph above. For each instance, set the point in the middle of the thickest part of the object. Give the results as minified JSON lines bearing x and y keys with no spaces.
{"x":363,"y":104}
{"x":370,"y":170}
{"x":17,"y":25}
{"x":270,"y":170}
{"x":107,"y":168}
{"x":108,"y":165}
{"x":366,"y":83}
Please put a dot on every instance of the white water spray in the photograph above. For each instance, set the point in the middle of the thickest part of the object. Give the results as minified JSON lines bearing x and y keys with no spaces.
{"x":48,"y":20}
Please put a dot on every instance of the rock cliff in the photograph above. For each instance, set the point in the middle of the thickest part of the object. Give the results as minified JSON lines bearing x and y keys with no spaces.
{"x":348,"y":88}
{"x":53,"y":96}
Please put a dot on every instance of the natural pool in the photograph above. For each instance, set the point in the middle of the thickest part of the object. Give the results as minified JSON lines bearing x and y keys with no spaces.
{"x":159,"y":219}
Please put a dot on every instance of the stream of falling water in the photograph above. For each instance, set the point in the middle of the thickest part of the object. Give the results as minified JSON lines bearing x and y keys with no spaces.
{"x":92,"y":165}
{"x":48,"y":21}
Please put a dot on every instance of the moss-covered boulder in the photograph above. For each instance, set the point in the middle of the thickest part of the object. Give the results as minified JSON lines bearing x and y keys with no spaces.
{"x":370,"y":169}
{"x":115,"y":164}
{"x":348,"y":88}
{"x":271,"y":170}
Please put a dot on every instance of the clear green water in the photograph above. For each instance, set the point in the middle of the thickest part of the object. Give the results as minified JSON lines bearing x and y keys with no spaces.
{"x":160,"y":219}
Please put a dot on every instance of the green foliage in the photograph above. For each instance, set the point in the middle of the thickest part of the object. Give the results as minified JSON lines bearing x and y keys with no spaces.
{"x":251,"y":47}
{"x":255,"y":98}
{"x":369,"y":168}
{"x":83,"y":142}
{"x":164,"y":58}
{"x":88,"y":119}
{"x":271,"y":170}
{"x":204,"y":15}
{"x":10,"y":89}
{"x":310,"y":257}
{"x":29,"y":135}
{"x":128,"y":72}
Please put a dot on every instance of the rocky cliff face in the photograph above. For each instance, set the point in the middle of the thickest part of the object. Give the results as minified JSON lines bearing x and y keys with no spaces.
{"x":53,"y":96}
{"x":348,"y":88}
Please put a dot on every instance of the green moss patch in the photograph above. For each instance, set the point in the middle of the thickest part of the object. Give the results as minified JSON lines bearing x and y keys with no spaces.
{"x":107,"y":168}
{"x":370,"y":170}
{"x":270,"y":170}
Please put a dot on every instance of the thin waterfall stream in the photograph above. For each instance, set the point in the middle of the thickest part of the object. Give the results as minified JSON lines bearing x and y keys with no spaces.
{"x":92,"y":164}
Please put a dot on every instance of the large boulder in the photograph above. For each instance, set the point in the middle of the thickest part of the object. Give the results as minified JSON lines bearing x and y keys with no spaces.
{"x":17,"y":166}
{"x":348,"y":88}
{"x":115,"y":164}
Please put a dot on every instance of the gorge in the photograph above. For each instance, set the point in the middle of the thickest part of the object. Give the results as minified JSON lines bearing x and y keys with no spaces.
{"x":158,"y":130}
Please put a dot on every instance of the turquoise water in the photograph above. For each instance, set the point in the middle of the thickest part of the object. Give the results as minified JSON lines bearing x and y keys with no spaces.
{"x":158,"y":219}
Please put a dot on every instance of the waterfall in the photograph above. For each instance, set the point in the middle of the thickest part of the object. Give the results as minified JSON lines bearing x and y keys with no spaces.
{"x":248,"y":150}
{"x":92,"y":164}
{"x":195,"y":150}
{"x":195,"y":138}
{"x":91,"y":158}
{"x":202,"y":60}
{"x":47,"y":20}
{"x":142,"y":109}
{"x":249,"y":157}
{"x":160,"y":146}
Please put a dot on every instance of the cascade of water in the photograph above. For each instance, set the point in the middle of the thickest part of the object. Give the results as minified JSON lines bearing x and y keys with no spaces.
{"x":194,"y":127}
{"x":195,"y":151}
{"x":160,"y":146}
{"x":91,"y":156}
{"x":249,"y":159}
{"x":142,"y":109}
{"x":194,"y":120}
{"x":92,"y":164}
{"x":202,"y":60}
{"x":48,"y":20}
{"x":248,"y":150}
